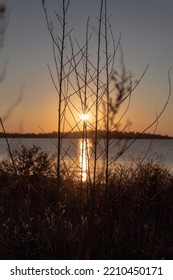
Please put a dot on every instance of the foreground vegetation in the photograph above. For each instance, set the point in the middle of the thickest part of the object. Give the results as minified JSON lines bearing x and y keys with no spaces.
{"x":133,"y":220}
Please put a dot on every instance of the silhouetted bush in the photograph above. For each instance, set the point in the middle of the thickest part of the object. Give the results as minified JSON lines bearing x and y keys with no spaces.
{"x":30,"y":161}
{"x":132,"y":221}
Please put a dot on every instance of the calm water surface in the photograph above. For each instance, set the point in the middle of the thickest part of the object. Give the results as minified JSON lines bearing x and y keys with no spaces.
{"x":161,"y":151}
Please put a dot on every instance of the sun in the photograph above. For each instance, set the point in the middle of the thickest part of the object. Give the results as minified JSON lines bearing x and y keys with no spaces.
{"x":84,"y":117}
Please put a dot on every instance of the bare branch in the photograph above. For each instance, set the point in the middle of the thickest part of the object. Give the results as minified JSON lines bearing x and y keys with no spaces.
{"x":14,"y":105}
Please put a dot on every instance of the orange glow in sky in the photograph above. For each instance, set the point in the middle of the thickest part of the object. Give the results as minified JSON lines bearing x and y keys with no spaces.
{"x":146,"y":39}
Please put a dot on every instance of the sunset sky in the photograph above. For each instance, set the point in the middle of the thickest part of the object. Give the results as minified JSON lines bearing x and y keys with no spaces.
{"x":147,"y":38}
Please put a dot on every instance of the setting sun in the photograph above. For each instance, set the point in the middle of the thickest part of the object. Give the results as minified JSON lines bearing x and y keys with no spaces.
{"x":84,"y":117}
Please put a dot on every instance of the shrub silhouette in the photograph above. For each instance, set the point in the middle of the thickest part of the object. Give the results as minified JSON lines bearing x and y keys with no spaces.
{"x":35,"y":225}
{"x":30,"y":161}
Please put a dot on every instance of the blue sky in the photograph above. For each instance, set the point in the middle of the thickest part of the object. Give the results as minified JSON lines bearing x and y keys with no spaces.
{"x":146,"y":27}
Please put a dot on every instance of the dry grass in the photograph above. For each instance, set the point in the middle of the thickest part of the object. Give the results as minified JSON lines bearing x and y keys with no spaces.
{"x":134,"y":220}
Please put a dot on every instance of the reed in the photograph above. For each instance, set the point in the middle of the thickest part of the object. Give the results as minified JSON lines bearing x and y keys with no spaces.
{"x":120,"y":213}
{"x":140,"y":213}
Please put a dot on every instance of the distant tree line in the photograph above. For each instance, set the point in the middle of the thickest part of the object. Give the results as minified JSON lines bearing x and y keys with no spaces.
{"x":101,"y":134}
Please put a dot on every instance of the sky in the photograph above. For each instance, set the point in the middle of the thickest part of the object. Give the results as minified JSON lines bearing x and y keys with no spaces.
{"x":146,"y":27}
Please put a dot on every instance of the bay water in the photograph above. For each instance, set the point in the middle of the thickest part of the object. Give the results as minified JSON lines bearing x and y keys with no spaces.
{"x":158,"y":151}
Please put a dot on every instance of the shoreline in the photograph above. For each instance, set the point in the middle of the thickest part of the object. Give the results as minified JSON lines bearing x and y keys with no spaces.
{"x":90,"y":135}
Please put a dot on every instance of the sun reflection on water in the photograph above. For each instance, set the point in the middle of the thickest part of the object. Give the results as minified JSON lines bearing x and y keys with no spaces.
{"x":83,"y":158}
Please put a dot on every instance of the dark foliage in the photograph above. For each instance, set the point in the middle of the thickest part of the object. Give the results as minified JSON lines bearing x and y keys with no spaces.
{"x":134,"y":220}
